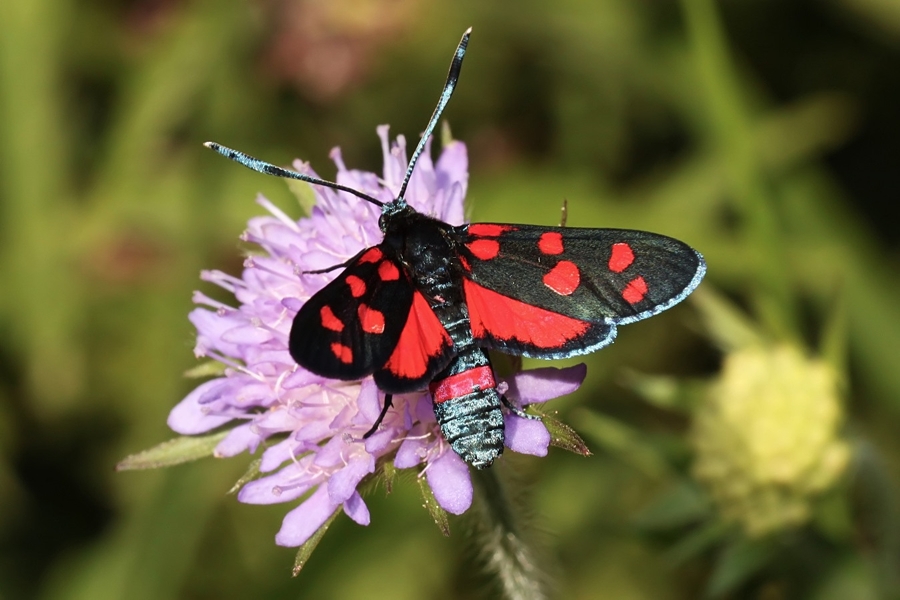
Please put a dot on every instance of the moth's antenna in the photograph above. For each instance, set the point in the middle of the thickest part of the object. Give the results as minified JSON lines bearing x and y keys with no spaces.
{"x":452,"y":77}
{"x":270,"y":169}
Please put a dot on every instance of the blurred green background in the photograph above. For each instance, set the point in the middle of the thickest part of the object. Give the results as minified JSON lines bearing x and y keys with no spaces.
{"x":764,"y":133}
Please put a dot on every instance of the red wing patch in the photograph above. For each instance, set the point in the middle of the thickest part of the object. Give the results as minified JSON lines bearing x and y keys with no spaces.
{"x":342,"y":353}
{"x":489,"y":229}
{"x":372,"y":320}
{"x":357,"y":286}
{"x":551,"y":242}
{"x":388,"y":271}
{"x":371,"y":255}
{"x":635,"y":290}
{"x":330,"y":320}
{"x":484,"y":249}
{"x":621,"y":257}
{"x":422,"y":338}
{"x":504,"y":318}
{"x":563,"y":278}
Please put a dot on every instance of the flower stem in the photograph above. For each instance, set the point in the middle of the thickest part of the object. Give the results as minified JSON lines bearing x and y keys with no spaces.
{"x":508,"y":555}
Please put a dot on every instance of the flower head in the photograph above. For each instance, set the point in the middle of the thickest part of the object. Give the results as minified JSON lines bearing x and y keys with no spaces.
{"x":767,"y":437}
{"x":313,"y":427}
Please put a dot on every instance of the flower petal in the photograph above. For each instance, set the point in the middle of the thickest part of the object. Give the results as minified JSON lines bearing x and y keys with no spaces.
{"x":287,"y":484}
{"x":302,"y":522}
{"x":448,"y":477}
{"x":413,"y":449}
{"x":540,"y":385}
{"x":342,"y":484}
{"x":356,"y":509}
{"x":241,"y":438}
{"x":189,"y":417}
{"x":526,"y":436}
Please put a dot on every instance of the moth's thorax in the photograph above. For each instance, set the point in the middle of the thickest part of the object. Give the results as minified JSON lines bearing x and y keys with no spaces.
{"x":426,"y":248}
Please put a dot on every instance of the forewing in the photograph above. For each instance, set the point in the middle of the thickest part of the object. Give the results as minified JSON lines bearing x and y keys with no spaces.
{"x":351,"y":326}
{"x":602,"y":277}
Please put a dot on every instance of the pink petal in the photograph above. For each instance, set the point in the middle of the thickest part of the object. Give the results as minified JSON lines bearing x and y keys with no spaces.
{"x":342,"y":484}
{"x":540,"y":385}
{"x":526,"y":436}
{"x":241,"y":438}
{"x":413,"y":449}
{"x":275,"y":456}
{"x":189,"y":417}
{"x":299,"y":524}
{"x":356,"y":509}
{"x":448,"y":477}
{"x":287,"y":484}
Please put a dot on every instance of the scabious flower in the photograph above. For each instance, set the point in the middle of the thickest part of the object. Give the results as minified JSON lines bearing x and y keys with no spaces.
{"x":311,"y":427}
{"x":767,"y":437}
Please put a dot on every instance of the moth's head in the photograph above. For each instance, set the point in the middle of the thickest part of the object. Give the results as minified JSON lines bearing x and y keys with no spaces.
{"x":391,"y":211}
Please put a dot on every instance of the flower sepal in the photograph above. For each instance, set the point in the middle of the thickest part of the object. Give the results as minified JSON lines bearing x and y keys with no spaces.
{"x":440,"y":516}
{"x":182,"y":449}
{"x":306,"y":549}
{"x":561,"y":435}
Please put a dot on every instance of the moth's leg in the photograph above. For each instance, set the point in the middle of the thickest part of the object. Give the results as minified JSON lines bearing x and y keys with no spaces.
{"x":388,"y":402}
{"x":518,"y":411}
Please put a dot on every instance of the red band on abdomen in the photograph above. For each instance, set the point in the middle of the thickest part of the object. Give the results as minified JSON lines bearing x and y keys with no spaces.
{"x":455,"y":386}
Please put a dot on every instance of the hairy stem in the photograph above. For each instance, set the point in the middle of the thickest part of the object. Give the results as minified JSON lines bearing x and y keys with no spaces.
{"x":508,"y":555}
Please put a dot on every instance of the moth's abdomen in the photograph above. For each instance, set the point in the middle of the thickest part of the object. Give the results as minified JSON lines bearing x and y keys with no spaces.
{"x":467,"y":407}
{"x":473,"y":426}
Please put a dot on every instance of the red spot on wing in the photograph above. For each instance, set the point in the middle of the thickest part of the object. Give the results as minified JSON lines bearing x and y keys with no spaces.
{"x":371,"y":255}
{"x":563,"y":278}
{"x":505,"y":318}
{"x":422,"y":338}
{"x":372,"y":320}
{"x":388,"y":271}
{"x":456,"y":386}
{"x":484,"y":249}
{"x":551,"y":242}
{"x":489,"y":229}
{"x":342,"y":353}
{"x":465,"y":264}
{"x":621,"y":257}
{"x":357,"y":286}
{"x":635,"y":290}
{"x":329,"y":320}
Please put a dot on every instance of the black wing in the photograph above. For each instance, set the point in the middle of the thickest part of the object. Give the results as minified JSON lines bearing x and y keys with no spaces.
{"x":350,"y":327}
{"x":599,"y":278}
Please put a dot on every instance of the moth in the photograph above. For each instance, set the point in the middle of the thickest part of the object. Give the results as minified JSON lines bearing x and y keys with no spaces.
{"x":423,"y":308}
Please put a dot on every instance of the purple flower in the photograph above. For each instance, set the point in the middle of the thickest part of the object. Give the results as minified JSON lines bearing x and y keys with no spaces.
{"x":320,"y":456}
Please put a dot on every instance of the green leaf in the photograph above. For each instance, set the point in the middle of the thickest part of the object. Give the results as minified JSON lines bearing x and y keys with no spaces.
{"x":835,"y":336}
{"x":668,"y":393}
{"x":696,"y":542}
{"x":856,"y":576}
{"x":623,"y":441}
{"x":437,"y":513}
{"x":306,"y":550}
{"x":210,"y":368}
{"x":249,"y":475}
{"x":173,"y":452}
{"x":739,"y":562}
{"x":726,"y":323}
{"x":680,"y":505}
